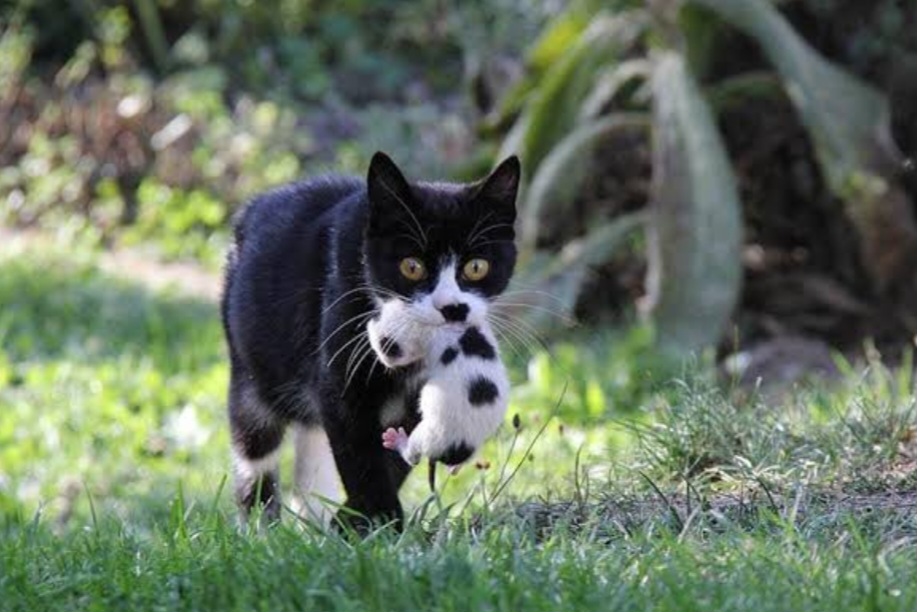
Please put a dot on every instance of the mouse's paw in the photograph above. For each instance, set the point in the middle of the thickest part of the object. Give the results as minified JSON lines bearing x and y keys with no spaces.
{"x":394,"y":439}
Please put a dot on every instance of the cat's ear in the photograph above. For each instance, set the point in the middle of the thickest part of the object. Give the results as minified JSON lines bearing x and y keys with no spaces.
{"x":386,"y":185}
{"x":500,"y":187}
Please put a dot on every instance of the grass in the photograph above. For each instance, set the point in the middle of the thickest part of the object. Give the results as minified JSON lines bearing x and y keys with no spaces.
{"x":634,"y":494}
{"x":204,"y":563}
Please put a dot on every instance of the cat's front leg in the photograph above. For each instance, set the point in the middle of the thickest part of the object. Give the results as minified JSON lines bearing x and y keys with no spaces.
{"x":372,"y":495}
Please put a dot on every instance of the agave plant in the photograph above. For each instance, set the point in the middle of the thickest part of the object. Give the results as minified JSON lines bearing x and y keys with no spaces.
{"x":598,"y":74}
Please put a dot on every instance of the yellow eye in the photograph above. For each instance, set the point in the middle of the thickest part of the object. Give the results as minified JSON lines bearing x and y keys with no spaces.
{"x":412,"y":269}
{"x":476,"y":269}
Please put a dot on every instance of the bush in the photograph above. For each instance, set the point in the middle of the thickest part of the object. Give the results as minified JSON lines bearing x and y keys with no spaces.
{"x":667,"y":81}
{"x":164,"y":117}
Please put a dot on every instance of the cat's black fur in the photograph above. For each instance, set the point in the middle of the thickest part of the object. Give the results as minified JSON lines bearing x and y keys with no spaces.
{"x":308,"y":261}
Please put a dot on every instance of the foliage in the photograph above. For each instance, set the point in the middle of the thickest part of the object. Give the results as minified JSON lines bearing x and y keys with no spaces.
{"x":602,"y":71}
{"x":849,"y":123}
{"x":169,"y":159}
{"x":154,"y":120}
{"x":695,"y":231}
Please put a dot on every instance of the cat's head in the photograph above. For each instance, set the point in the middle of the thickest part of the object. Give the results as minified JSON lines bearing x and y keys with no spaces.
{"x":438,"y":253}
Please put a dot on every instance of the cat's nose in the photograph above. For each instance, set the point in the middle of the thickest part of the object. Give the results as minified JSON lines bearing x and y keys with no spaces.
{"x":455,"y":313}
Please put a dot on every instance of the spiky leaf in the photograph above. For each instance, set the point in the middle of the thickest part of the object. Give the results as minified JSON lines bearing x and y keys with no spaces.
{"x":545,"y":292}
{"x":560,"y":176}
{"x":695,"y":231}
{"x":553,"y":109}
{"x":610,"y":83}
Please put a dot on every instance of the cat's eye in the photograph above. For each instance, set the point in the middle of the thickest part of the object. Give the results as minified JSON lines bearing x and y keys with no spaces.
{"x":412,"y":269}
{"x":476,"y":269}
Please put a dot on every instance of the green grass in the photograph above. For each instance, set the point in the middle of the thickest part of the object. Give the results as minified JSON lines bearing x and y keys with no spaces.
{"x":203,"y":563}
{"x":626,"y":493}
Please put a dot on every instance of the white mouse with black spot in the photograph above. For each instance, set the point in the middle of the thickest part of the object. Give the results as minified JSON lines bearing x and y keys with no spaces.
{"x":462,"y":401}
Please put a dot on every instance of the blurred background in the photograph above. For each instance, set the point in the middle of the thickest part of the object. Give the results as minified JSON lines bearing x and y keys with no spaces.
{"x":731,"y":182}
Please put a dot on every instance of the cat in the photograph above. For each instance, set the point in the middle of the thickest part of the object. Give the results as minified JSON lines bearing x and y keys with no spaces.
{"x":464,"y":394}
{"x":311,"y":265}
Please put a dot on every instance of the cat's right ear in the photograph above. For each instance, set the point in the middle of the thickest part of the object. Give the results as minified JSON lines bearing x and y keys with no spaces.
{"x":388,"y":189}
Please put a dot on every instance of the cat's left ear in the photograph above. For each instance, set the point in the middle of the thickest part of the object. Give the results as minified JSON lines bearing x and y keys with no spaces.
{"x":388,"y":189}
{"x":501,"y":186}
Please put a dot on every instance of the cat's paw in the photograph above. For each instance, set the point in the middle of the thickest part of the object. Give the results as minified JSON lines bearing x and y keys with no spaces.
{"x":454,"y":469}
{"x":394,"y":439}
{"x":361,"y":522}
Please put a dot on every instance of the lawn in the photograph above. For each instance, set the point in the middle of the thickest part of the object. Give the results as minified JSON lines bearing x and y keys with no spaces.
{"x":618,"y":490}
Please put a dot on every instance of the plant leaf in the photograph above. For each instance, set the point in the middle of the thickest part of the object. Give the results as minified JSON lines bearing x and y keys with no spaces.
{"x":849,"y":124}
{"x":611,"y":82}
{"x":553,"y":108}
{"x":560,"y":34}
{"x":559,"y":177}
{"x":695,"y":232}
{"x":737,"y":91}
{"x":551,"y":283}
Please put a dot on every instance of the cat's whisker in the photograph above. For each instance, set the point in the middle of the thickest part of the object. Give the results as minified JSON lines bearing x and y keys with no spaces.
{"x":505,"y":335}
{"x":357,"y":365}
{"x":373,"y":290}
{"x":517,"y":341}
{"x":372,"y":369}
{"x":364,"y":342}
{"x":527,"y":291}
{"x":342,"y":296}
{"x":413,"y":238}
{"x":474,"y":233}
{"x":407,"y":208}
{"x":500,"y":323}
{"x":376,"y":361}
{"x":485,"y":231}
{"x":359,"y":354}
{"x":523,"y":329}
{"x":560,"y":315}
{"x":342,"y":326}
{"x":358,"y":357}
{"x":527,"y":328}
{"x":362,"y":335}
{"x":478,"y":245}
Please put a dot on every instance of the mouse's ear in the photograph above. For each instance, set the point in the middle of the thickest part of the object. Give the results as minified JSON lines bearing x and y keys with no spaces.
{"x":501,"y":186}
{"x":388,"y":189}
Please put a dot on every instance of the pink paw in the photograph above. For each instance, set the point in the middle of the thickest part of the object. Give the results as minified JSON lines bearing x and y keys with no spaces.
{"x":394,"y":439}
{"x":453,"y":469}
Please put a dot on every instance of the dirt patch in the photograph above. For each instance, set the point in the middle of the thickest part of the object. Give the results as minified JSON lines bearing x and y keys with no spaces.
{"x":186,"y":278}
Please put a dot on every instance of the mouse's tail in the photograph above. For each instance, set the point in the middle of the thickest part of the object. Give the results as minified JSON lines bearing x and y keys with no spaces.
{"x":431,"y":476}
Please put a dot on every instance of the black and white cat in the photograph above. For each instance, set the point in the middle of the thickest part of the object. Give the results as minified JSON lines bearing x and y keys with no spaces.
{"x":312,"y":265}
